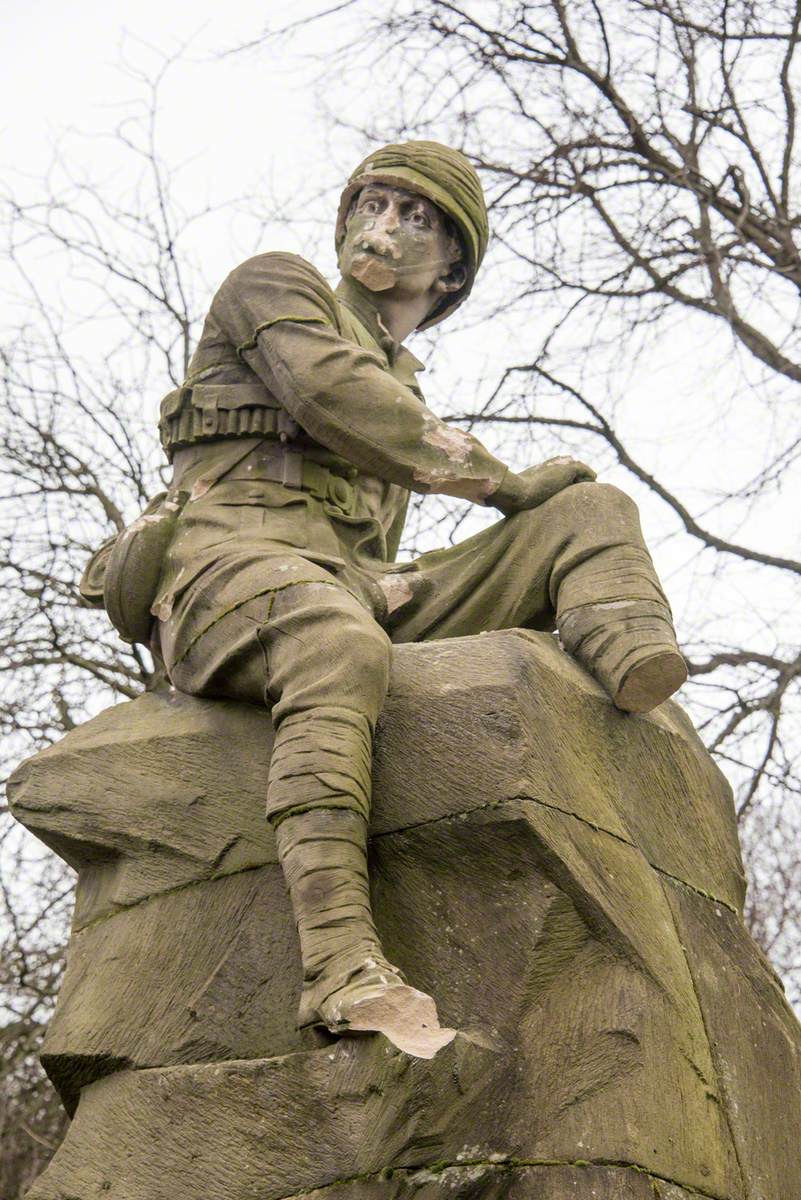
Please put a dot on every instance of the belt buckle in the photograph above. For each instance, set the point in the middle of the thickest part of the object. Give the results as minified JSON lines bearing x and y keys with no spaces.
{"x":340,"y":493}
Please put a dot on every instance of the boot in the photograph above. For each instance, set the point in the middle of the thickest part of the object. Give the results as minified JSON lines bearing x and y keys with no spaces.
{"x":348,"y":983}
{"x":630,"y":648}
{"x":319,"y":802}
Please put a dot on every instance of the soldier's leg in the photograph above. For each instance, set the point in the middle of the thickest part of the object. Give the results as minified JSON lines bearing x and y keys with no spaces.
{"x":328,"y":670}
{"x":310,"y":649}
{"x":577,"y":562}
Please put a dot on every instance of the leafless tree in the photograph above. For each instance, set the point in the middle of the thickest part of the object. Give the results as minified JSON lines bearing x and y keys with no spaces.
{"x":104,"y":300}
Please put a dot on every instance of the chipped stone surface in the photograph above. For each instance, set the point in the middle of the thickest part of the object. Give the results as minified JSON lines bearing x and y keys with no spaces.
{"x":151,"y":795}
{"x":754,"y":1040}
{"x":456,"y":444}
{"x":397,"y":589}
{"x":571,"y":901}
{"x":157,"y":984}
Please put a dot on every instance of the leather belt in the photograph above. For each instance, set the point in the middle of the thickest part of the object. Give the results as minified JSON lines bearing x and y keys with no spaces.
{"x":275,"y":462}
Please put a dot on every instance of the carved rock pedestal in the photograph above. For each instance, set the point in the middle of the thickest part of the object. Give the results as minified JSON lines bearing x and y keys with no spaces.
{"x":563,"y":878}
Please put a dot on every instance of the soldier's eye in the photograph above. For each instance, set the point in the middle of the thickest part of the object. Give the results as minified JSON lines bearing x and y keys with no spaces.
{"x":369,"y":206}
{"x":420,"y":218}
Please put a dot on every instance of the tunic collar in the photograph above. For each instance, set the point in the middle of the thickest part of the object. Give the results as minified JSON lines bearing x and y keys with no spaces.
{"x":357,"y":299}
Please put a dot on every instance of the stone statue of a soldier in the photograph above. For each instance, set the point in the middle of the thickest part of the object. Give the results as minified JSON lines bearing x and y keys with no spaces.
{"x":298,"y":435}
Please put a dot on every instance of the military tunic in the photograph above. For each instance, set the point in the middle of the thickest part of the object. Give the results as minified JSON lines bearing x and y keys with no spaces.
{"x":299,"y":434}
{"x":277,"y":335}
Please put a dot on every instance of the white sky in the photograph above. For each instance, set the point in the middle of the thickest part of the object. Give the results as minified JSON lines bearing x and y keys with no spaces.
{"x":230,"y":120}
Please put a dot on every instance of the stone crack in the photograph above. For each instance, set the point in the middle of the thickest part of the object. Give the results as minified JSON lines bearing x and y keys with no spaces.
{"x":450,"y":1172}
{"x":458,"y":816}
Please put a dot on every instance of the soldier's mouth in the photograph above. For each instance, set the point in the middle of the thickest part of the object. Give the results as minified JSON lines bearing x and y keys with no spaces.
{"x":383,"y":249}
{"x":373,"y":270}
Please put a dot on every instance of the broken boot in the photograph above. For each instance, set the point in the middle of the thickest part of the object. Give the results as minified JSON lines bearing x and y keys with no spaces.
{"x":348,"y":983}
{"x":630,"y":648}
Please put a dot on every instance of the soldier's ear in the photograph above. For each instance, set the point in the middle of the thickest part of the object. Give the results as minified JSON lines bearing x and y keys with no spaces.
{"x":456,"y":275}
{"x":452,"y":281}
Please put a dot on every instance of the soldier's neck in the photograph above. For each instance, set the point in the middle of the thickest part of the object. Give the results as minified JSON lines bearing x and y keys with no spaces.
{"x":399,"y":315}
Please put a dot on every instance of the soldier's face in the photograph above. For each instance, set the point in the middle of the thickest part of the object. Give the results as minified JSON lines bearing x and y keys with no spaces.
{"x":398,"y":240}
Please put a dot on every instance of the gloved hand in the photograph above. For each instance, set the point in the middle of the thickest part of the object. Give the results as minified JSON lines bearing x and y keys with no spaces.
{"x":537,"y":484}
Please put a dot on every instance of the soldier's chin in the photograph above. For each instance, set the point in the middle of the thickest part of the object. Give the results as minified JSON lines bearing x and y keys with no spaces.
{"x":374,"y":273}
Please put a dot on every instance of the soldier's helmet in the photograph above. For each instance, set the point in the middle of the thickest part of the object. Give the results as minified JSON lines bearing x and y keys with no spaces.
{"x":446,"y":178}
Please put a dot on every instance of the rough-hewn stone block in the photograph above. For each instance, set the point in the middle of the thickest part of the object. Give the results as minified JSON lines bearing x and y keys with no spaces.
{"x":356,"y":1119}
{"x":564,"y":878}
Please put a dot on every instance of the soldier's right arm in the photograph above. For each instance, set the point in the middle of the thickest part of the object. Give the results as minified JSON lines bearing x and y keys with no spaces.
{"x":282,"y":317}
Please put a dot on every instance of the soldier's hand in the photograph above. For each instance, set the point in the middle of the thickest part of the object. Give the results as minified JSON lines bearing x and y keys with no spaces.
{"x":537,"y":484}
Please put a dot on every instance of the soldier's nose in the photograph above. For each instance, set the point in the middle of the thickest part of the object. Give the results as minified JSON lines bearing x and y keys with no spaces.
{"x":389,"y":221}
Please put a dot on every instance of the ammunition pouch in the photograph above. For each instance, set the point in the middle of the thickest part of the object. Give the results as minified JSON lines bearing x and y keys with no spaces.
{"x":210,"y":411}
{"x":123,"y":575}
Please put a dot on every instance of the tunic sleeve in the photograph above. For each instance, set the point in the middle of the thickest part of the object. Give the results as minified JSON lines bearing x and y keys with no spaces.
{"x":282,"y":317}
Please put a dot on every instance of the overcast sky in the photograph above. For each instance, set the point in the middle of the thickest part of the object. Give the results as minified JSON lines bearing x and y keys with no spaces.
{"x":230,"y":120}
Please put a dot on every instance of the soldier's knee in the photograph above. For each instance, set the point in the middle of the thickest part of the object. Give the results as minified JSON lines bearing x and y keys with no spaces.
{"x":609,"y":496}
{"x":366,"y":648}
{"x":354,"y":653}
{"x":597,"y":501}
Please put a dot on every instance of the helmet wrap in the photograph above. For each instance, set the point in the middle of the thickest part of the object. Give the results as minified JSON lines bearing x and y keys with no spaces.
{"x":446,"y":178}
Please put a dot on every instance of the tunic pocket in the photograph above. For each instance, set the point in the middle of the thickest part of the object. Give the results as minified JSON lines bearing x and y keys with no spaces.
{"x":265,"y":512}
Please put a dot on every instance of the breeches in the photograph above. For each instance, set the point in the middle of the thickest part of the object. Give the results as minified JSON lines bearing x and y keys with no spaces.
{"x":281,"y":630}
